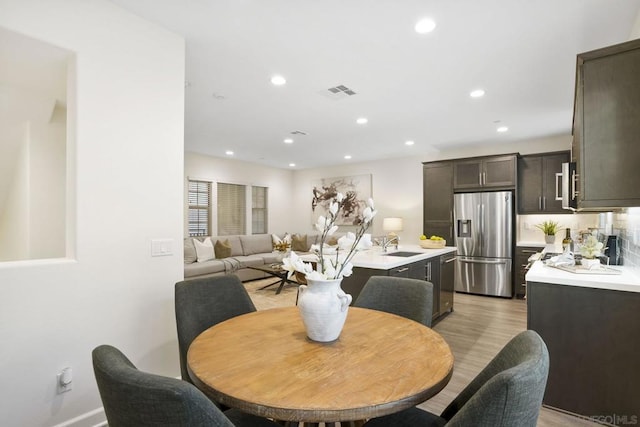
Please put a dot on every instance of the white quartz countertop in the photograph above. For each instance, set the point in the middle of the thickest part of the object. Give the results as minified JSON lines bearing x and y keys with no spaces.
{"x":628,"y":280}
{"x":375,"y":258}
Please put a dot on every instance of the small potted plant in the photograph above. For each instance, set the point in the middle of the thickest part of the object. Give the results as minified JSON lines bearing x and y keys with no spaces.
{"x":549,"y":228}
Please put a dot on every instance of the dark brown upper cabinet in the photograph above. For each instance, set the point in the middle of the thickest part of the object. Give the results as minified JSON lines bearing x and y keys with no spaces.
{"x":540,"y":183}
{"x":481,"y":173}
{"x":606,"y":127}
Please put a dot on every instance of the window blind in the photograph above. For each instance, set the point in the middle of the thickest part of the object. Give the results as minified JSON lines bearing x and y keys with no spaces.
{"x":199,"y":212}
{"x":232,"y":207}
{"x":259,"y":210}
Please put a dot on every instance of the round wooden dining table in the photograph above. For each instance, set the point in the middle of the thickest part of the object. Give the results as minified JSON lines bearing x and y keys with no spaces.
{"x":264,"y":364}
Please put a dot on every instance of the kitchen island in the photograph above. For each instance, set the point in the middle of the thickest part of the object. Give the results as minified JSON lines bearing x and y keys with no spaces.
{"x":591,"y":325}
{"x":433,"y":265}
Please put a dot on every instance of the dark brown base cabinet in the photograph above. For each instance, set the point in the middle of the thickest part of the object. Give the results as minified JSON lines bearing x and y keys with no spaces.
{"x":522,"y":262}
{"x":354,"y":283}
{"x":438,"y":270}
{"x":593,"y":336}
{"x":445,"y":289}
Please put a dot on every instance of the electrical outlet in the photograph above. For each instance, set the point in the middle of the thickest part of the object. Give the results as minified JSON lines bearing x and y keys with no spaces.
{"x":64,"y":380}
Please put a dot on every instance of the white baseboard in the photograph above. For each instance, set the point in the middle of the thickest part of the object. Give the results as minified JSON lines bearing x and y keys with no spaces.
{"x":95,"y":418}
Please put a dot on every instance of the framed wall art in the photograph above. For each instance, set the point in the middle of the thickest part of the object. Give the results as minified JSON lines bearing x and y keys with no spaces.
{"x":356,"y":189}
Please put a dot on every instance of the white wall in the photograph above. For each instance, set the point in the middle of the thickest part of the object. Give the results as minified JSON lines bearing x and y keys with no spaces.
{"x":279,"y":182}
{"x":47,"y":176}
{"x":125,"y":187}
{"x":33,"y":80}
{"x":635,"y":31}
{"x":32,"y":216}
{"x":14,"y":215}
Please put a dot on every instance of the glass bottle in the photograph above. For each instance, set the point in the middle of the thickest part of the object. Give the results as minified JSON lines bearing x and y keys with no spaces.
{"x":567,"y":242}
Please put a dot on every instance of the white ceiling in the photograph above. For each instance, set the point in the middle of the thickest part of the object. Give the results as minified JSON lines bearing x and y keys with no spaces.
{"x":410,"y":86}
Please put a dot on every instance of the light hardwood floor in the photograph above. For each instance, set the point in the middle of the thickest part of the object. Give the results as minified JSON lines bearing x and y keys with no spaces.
{"x":476,"y":331}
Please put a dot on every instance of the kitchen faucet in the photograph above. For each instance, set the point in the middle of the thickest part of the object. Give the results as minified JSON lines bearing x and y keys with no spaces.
{"x":387,"y":241}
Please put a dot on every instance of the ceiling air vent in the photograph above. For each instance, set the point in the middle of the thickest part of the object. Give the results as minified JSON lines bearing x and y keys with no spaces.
{"x":338,"y":92}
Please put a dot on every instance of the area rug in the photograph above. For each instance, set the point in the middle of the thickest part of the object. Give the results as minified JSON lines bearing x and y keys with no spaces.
{"x":267,"y":298}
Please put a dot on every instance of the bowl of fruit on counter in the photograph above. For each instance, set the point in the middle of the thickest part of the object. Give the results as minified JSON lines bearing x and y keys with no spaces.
{"x":433,"y":242}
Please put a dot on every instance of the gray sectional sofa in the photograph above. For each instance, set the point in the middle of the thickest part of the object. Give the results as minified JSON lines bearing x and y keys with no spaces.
{"x":246,"y":251}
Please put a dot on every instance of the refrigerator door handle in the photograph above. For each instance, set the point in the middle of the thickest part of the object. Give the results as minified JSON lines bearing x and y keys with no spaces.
{"x":478,"y":236}
{"x":478,"y":261}
{"x":482,"y":227}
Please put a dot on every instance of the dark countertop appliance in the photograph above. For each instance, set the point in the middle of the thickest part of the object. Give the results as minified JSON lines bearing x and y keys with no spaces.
{"x":612,"y":250}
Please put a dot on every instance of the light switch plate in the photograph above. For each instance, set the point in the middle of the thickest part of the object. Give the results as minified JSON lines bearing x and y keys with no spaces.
{"x":161,"y":247}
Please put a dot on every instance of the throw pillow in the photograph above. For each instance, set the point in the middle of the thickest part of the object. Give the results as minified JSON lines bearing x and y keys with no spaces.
{"x":332,"y":241}
{"x":299,"y":243}
{"x":204,"y":250}
{"x":190,"y":255}
{"x":222,"y":249}
{"x":276,"y":240}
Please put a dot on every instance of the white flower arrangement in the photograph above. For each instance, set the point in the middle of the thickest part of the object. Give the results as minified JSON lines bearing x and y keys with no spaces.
{"x":333,"y":262}
{"x":591,"y":248}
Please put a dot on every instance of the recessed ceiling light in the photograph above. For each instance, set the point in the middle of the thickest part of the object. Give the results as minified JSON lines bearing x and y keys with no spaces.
{"x":502,"y":129}
{"x":409,"y":143}
{"x":478,"y":93}
{"x":425,"y":25}
{"x":362,"y":120}
{"x":292,"y":165}
{"x":288,"y":141}
{"x":229,"y":153}
{"x":278,"y":80}
{"x":347,"y":157}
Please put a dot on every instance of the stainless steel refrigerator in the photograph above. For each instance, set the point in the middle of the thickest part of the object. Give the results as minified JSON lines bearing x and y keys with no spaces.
{"x":484,"y":237}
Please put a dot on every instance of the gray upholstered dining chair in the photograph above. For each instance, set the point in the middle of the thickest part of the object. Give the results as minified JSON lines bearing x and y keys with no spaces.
{"x":410,"y":298}
{"x":138,"y":399}
{"x":202,"y":303}
{"x":508,"y":392}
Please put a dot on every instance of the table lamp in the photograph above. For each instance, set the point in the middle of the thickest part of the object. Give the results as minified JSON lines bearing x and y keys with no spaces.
{"x":391,"y":225}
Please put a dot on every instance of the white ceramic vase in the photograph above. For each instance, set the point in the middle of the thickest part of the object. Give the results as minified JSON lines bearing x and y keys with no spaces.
{"x":323,"y":306}
{"x":590,"y":264}
{"x":549,"y":238}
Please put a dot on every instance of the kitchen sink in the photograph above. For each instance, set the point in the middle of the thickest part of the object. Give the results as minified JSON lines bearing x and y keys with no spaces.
{"x":403,"y":253}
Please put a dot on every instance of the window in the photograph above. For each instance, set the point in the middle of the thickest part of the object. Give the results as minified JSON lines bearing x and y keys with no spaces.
{"x":232,"y":209}
{"x":199,"y":208}
{"x":259,"y":210}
